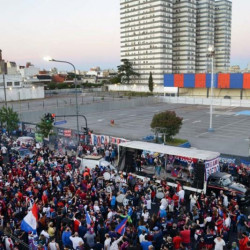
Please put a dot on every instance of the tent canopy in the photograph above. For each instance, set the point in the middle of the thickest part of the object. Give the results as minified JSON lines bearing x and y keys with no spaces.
{"x":177,"y":151}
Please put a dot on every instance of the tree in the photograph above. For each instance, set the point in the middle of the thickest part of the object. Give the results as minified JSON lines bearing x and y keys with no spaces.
{"x":45,"y":126}
{"x":151,"y":83}
{"x":167,"y":123}
{"x":9,"y":118}
{"x":115,"y":79}
{"x":125,"y":71}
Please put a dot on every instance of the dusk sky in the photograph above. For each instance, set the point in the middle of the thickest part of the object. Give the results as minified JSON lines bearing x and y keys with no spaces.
{"x":85,"y":32}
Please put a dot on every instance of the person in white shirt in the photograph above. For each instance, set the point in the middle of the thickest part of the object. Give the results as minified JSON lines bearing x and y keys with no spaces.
{"x":193,"y":200}
{"x":145,"y":215}
{"x":227,"y":222}
{"x":219,"y":243}
{"x":107,"y":242}
{"x":76,"y":240}
{"x":114,"y":245}
{"x":4,"y":150}
{"x":225,"y":200}
{"x":164,"y":203}
{"x":53,"y":245}
{"x":181,"y":195}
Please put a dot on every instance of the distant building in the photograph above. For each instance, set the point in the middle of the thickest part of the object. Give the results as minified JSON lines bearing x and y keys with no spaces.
{"x":234,"y":69}
{"x":222,"y":42}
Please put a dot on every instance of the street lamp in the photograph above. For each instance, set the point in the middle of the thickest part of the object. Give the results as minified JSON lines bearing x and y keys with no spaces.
{"x":211,"y":53}
{"x":77,"y":112}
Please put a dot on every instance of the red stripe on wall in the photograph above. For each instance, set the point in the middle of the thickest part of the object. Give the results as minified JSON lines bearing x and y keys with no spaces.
{"x":200,"y":80}
{"x":179,"y":80}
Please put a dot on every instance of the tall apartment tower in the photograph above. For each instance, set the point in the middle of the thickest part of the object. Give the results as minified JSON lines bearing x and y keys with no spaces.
{"x":173,"y":36}
{"x":204,"y":34}
{"x":184,"y":36}
{"x":222,"y":44}
{"x":146,"y":37}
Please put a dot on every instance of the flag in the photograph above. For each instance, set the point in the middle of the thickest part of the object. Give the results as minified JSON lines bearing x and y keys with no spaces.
{"x":120,"y":228}
{"x":29,"y":222}
{"x":88,"y":219}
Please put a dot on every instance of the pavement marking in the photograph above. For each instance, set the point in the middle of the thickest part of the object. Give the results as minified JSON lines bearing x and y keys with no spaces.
{"x":196,"y":121}
{"x":185,"y":120}
{"x":132,"y":115}
{"x":224,"y":126}
{"x":217,"y":115}
{"x":100,"y":120}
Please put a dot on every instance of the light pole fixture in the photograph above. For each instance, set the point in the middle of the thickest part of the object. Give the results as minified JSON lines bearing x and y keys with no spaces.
{"x":211,"y":53}
{"x":77,"y":110}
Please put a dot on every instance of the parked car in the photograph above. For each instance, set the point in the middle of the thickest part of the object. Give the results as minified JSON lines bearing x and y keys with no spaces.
{"x":224,"y":181}
{"x":22,"y":152}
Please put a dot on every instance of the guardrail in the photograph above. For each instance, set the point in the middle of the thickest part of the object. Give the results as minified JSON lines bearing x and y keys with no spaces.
{"x":205,"y":101}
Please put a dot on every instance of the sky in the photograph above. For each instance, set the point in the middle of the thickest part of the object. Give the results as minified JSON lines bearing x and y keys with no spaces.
{"x":85,"y":32}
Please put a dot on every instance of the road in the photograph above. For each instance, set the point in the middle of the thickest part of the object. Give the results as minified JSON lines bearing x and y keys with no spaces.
{"x":133,"y":117}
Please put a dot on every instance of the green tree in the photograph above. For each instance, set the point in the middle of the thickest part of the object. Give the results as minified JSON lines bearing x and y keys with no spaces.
{"x":167,"y":123}
{"x":45,"y":126}
{"x":9,"y":118}
{"x":115,"y":79}
{"x":126,"y":72}
{"x":151,"y":82}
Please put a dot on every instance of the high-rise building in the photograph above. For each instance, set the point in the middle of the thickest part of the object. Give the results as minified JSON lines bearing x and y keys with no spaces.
{"x":173,"y":36}
{"x":204,"y":34}
{"x":184,"y":36}
{"x":222,"y":42}
{"x":146,"y":37}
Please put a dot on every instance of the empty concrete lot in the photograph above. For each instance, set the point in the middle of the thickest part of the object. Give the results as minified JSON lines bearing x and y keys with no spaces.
{"x":133,"y":117}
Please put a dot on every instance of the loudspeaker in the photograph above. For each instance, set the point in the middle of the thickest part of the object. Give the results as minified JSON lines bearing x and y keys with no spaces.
{"x":199,"y":171}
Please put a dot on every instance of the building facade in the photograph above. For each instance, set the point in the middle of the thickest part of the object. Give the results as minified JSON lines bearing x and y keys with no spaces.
{"x":146,"y":37}
{"x":222,"y":44}
{"x":184,"y":36}
{"x":204,"y":34}
{"x":173,"y":36}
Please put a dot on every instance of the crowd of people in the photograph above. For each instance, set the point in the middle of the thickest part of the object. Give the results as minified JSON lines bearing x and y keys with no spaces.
{"x":100,"y":208}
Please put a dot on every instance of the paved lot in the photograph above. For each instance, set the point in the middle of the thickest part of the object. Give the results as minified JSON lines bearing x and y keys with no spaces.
{"x":133,"y":117}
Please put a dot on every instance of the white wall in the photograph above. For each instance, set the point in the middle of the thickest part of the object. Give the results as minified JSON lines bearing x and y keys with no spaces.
{"x":141,"y":88}
{"x":23,"y":93}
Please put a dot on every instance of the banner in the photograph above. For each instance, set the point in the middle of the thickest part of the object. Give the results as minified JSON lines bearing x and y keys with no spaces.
{"x":227,"y":160}
{"x":38,"y":137}
{"x":212,"y":166}
{"x":60,"y":132}
{"x":99,"y":140}
{"x":67,"y":133}
{"x":117,"y":140}
{"x":186,"y":159}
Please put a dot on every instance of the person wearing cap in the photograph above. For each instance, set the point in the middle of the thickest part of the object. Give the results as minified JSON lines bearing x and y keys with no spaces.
{"x":157,"y":238}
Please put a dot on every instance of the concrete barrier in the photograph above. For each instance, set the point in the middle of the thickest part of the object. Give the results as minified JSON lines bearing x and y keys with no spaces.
{"x":205,"y":101}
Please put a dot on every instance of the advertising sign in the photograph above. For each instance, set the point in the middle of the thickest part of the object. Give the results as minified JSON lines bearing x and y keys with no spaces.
{"x":67,"y":132}
{"x":212,"y":166}
{"x":99,"y":139}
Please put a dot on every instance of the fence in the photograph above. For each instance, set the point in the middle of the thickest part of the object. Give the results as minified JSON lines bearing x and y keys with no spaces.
{"x":205,"y":101}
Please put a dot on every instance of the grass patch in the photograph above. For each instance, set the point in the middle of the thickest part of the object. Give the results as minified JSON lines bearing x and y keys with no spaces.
{"x":176,"y":142}
{"x":140,"y":94}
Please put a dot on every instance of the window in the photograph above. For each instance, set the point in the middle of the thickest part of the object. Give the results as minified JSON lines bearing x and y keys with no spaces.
{"x":16,"y":83}
{"x":9,"y":84}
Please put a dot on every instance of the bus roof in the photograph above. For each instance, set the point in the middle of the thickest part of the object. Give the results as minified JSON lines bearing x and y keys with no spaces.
{"x":177,"y":151}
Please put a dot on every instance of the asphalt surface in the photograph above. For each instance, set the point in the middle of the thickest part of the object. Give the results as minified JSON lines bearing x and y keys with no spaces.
{"x":133,"y":117}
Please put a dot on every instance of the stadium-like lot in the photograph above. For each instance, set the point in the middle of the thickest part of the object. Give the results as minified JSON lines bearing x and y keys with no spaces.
{"x":133,"y":117}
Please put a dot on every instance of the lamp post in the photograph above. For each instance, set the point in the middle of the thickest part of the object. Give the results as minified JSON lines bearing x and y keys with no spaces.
{"x":211,"y":53}
{"x":77,"y":112}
